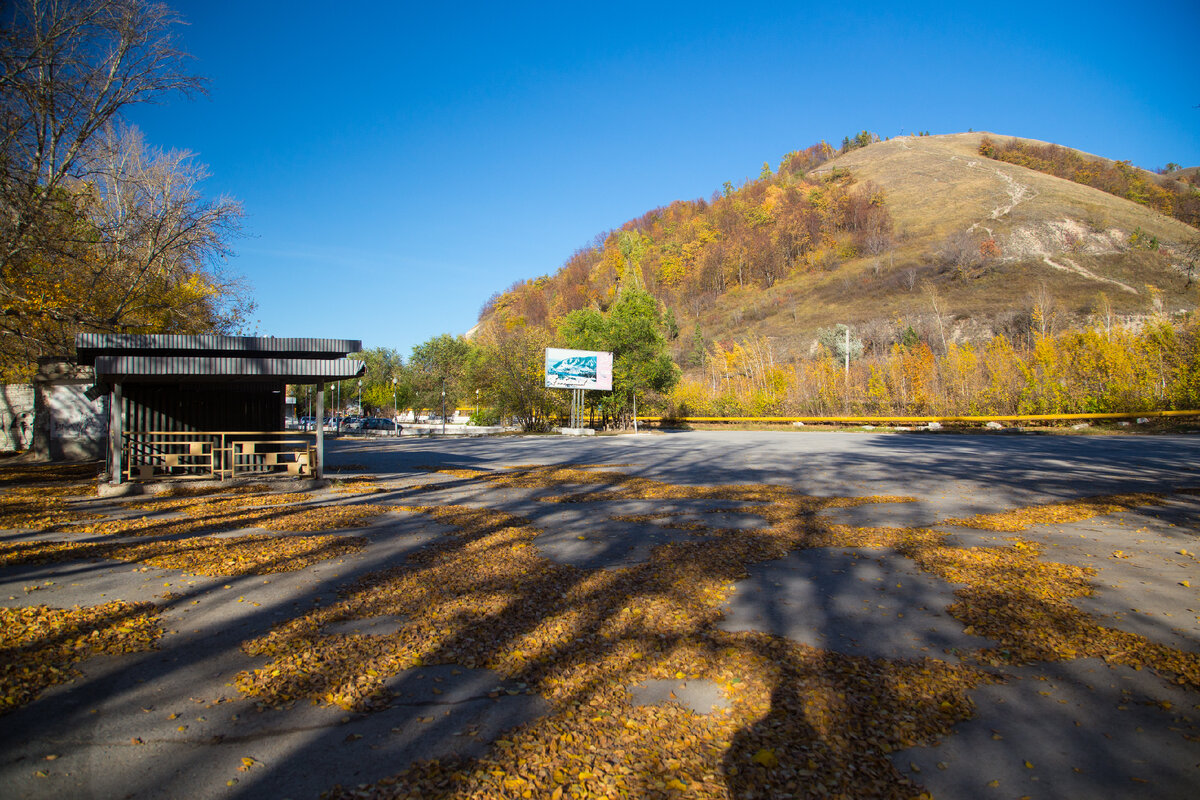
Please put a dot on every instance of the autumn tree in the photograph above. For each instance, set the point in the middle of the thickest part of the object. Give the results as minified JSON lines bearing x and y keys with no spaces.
{"x":584,"y":329}
{"x":634,"y":331}
{"x":634,"y":246}
{"x":98,"y":231}
{"x":437,"y":365}
{"x":384,"y":364}
{"x":1190,"y":252}
{"x":840,"y":341}
{"x":697,"y":350}
{"x":959,"y":250}
{"x":507,"y":365}
{"x":861,"y":139}
{"x":641,"y":363}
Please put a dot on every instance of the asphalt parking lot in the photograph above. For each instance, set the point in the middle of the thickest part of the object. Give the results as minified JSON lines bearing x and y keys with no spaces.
{"x":176,"y":721}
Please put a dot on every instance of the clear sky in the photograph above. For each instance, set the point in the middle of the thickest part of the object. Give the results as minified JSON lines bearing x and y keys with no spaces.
{"x":400,"y":162}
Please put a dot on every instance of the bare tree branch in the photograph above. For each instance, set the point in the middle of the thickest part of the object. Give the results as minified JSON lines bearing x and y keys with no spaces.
{"x":98,"y":231}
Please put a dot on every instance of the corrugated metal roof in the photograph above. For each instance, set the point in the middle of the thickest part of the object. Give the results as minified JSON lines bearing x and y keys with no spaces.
{"x":291,"y":370}
{"x":88,"y":346}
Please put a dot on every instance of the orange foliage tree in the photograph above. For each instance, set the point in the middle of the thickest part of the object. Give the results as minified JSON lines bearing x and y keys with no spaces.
{"x":1095,"y":370}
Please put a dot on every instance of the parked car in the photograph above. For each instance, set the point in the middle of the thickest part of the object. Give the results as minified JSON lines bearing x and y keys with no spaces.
{"x":378,"y":424}
{"x":352,"y":424}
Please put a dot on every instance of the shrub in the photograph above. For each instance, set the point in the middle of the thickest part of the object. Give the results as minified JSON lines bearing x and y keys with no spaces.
{"x":485,"y":416}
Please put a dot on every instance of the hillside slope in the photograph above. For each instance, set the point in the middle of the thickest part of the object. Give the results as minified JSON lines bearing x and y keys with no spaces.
{"x":977,"y":246}
{"x":937,"y":184}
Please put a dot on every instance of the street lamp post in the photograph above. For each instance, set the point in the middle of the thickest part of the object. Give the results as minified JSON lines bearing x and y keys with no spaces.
{"x":395,"y":409}
{"x":443,"y":406}
{"x":476,"y":406}
{"x":360,"y":405}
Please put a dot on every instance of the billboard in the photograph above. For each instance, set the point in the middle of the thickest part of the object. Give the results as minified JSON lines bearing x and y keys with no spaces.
{"x":578,"y":369}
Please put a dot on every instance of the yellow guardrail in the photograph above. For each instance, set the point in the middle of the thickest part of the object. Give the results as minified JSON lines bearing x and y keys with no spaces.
{"x":887,"y":419}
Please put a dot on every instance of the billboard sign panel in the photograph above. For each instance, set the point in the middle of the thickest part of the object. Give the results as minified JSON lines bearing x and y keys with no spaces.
{"x":578,"y":369}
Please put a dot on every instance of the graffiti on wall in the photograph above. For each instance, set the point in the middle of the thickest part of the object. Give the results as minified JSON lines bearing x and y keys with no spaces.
{"x":74,"y":417}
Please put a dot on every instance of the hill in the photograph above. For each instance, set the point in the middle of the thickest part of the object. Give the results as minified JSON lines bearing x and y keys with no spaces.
{"x":919,"y":232}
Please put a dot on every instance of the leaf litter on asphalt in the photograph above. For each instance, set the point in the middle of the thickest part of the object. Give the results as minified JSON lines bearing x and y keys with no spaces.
{"x":39,"y":645}
{"x":187,"y":543}
{"x":799,"y":721}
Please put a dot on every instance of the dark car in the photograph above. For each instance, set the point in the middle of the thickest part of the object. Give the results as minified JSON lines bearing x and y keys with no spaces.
{"x":378,"y":424}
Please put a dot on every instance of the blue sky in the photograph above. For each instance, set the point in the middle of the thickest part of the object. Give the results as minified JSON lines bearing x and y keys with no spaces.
{"x":401,"y":162}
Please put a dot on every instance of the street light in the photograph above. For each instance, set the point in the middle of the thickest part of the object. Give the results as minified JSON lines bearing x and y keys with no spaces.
{"x":443,"y":406}
{"x":476,"y":406}
{"x":395,"y":408}
{"x":360,"y":405}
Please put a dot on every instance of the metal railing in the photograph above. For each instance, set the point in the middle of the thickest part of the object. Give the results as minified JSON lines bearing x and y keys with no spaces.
{"x":155,"y":455}
{"x":885,"y":418}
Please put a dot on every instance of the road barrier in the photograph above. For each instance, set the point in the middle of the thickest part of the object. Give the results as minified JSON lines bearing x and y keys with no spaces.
{"x":902,"y":420}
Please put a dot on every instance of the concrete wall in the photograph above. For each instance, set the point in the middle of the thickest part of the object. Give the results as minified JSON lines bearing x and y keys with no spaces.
{"x":16,"y":416}
{"x":70,"y":426}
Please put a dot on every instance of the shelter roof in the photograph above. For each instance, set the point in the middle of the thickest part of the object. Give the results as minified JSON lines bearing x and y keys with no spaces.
{"x":172,"y":357}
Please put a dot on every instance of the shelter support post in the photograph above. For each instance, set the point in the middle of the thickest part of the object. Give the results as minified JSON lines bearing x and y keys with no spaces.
{"x":319,"y":468}
{"x":116,"y":434}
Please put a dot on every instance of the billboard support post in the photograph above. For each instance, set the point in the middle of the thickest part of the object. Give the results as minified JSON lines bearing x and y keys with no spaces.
{"x":577,"y":407}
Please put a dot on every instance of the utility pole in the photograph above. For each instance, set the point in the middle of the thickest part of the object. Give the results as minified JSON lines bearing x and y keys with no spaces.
{"x":443,"y":406}
{"x":395,"y":408}
{"x":847,"y":408}
{"x":847,"y":355}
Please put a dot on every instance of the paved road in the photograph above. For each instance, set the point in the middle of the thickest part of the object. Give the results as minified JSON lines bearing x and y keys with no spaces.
{"x":1088,"y":729}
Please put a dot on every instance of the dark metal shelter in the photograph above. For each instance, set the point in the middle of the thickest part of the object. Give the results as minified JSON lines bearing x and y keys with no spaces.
{"x":209,"y":403}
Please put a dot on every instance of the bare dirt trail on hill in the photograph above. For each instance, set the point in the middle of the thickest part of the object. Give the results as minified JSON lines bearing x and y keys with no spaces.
{"x":1017,"y":193}
{"x":1072,"y":267}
